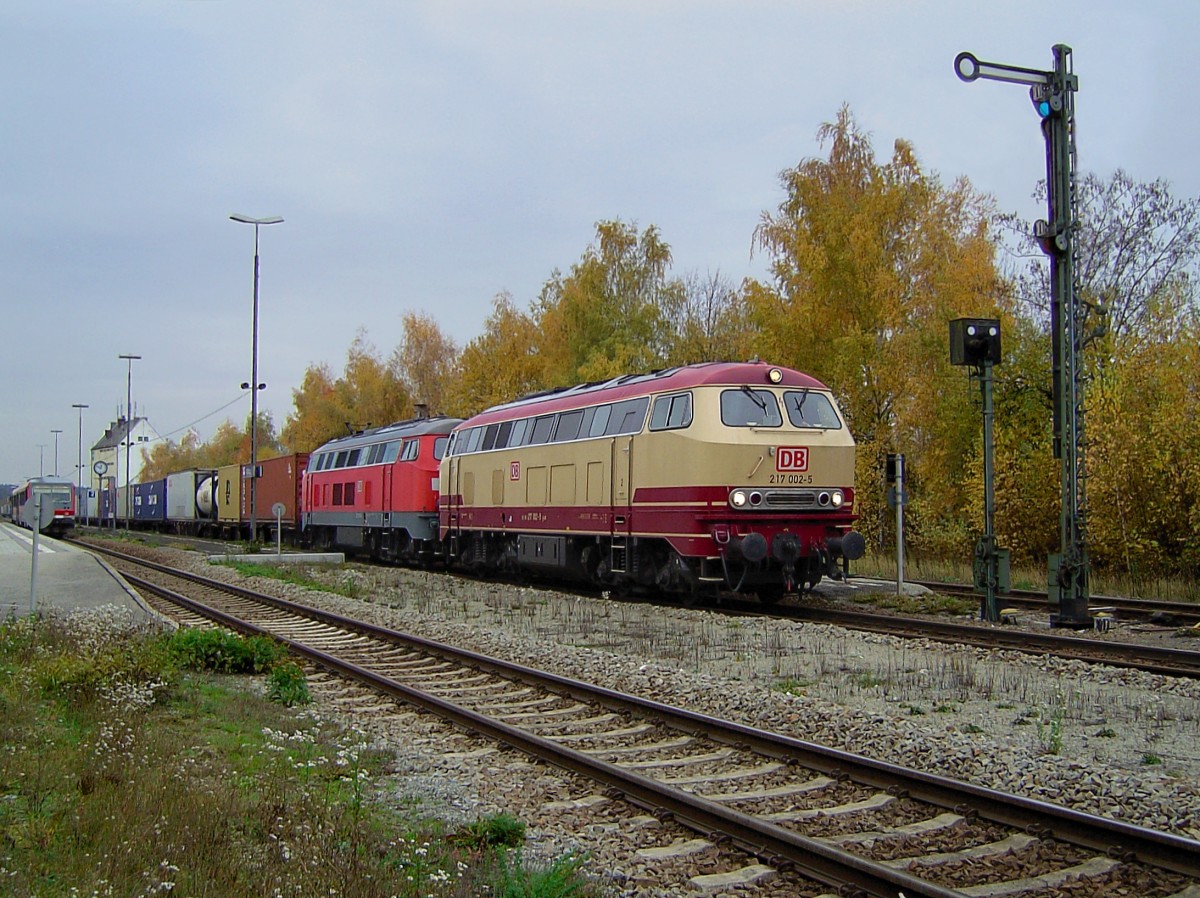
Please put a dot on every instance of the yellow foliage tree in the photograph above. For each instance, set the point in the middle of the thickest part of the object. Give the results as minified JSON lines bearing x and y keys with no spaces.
{"x":869,"y":262}
{"x":499,"y":365}
{"x":611,"y":314}
{"x":426,"y":362}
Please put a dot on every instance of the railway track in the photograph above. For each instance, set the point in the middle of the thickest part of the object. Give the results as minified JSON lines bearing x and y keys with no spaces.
{"x":1172,"y":612}
{"x":803,"y":810}
{"x":1112,"y":651}
{"x":1138,"y":656}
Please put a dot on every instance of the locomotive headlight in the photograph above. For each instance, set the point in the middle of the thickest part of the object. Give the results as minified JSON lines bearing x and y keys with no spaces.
{"x":738,"y":498}
{"x":823,"y":499}
{"x":774,"y":375}
{"x":836,"y":498}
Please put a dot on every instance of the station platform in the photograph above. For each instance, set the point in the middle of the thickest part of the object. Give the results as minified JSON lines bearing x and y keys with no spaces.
{"x":68,"y":579}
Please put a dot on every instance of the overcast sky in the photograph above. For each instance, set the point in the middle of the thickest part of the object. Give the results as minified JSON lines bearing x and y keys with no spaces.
{"x":427,"y":156}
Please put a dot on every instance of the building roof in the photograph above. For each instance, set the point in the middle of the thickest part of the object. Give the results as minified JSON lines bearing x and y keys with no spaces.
{"x":117,"y":433}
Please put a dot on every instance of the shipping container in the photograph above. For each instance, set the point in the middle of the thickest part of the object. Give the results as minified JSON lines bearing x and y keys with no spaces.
{"x":229,"y":496}
{"x":190,"y":496}
{"x":281,"y":481}
{"x":150,"y":502}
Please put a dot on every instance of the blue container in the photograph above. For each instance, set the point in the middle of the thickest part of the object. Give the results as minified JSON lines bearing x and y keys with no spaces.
{"x":150,"y":501}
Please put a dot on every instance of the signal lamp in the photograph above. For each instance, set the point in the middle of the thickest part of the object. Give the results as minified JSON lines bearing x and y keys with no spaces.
{"x":974,"y":341}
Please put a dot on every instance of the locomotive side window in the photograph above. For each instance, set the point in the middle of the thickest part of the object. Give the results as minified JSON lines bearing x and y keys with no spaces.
{"x":542,"y":427}
{"x":391,"y":451}
{"x":504,"y":434}
{"x":745,"y":407}
{"x":411,"y":449}
{"x":340,"y":461}
{"x":808,"y":409}
{"x":352,"y":461}
{"x":600,"y":421}
{"x":519,"y":432}
{"x":489,"y":437}
{"x":568,"y":426}
{"x":474,"y":436}
{"x":627,"y":417}
{"x":672,"y":412}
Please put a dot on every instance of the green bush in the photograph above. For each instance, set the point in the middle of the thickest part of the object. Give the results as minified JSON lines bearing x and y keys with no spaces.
{"x":224,"y":652}
{"x":287,"y":685}
{"x":502,"y":830}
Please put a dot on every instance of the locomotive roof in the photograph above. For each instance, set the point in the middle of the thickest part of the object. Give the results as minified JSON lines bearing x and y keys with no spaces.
{"x":684,"y":377}
{"x":413,"y":427}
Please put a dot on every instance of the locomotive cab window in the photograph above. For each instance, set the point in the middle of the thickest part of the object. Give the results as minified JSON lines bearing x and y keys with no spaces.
{"x":745,"y":407}
{"x":411,"y":449}
{"x":672,"y":412}
{"x":439,"y":447}
{"x":806,"y":408}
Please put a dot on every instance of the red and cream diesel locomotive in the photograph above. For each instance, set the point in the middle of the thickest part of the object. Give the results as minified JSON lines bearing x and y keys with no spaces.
{"x":708,"y":477}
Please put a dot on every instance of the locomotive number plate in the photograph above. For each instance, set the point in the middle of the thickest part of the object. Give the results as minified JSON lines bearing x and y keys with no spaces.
{"x":791,"y":458}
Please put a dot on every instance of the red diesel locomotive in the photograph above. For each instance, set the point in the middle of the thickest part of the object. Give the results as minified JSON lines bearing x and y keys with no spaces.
{"x":375,"y":492}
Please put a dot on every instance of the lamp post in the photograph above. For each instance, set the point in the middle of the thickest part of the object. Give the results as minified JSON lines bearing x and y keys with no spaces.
{"x":129,"y":359}
{"x":56,"y":433}
{"x":79,"y":462}
{"x":41,"y":459}
{"x":253,"y":383}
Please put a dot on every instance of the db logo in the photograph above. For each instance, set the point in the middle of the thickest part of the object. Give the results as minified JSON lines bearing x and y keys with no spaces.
{"x":514,"y":470}
{"x":791,"y":458}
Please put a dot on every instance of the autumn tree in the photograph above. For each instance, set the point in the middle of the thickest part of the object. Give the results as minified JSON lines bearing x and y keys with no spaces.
{"x":369,"y":393}
{"x":1135,"y":263}
{"x":1135,"y":258}
{"x":426,"y":362}
{"x":609,"y":315}
{"x":709,"y":322}
{"x":869,"y":262}
{"x":228,"y":445}
{"x":500,"y":364}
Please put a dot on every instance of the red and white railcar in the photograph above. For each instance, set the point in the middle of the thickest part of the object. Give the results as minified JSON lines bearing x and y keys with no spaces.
{"x":375,"y":492}
{"x":691,"y":479}
{"x":56,"y":493}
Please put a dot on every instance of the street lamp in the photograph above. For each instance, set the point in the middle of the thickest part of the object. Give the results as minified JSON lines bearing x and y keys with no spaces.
{"x":56,"y":433}
{"x":253,"y":384}
{"x":41,"y":459}
{"x":79,"y":462}
{"x":129,"y":359}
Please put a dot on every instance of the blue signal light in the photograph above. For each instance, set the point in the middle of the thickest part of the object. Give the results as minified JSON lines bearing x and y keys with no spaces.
{"x":1043,"y":108}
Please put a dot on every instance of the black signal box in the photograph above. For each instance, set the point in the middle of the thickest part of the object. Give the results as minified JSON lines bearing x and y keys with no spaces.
{"x":974,"y":341}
